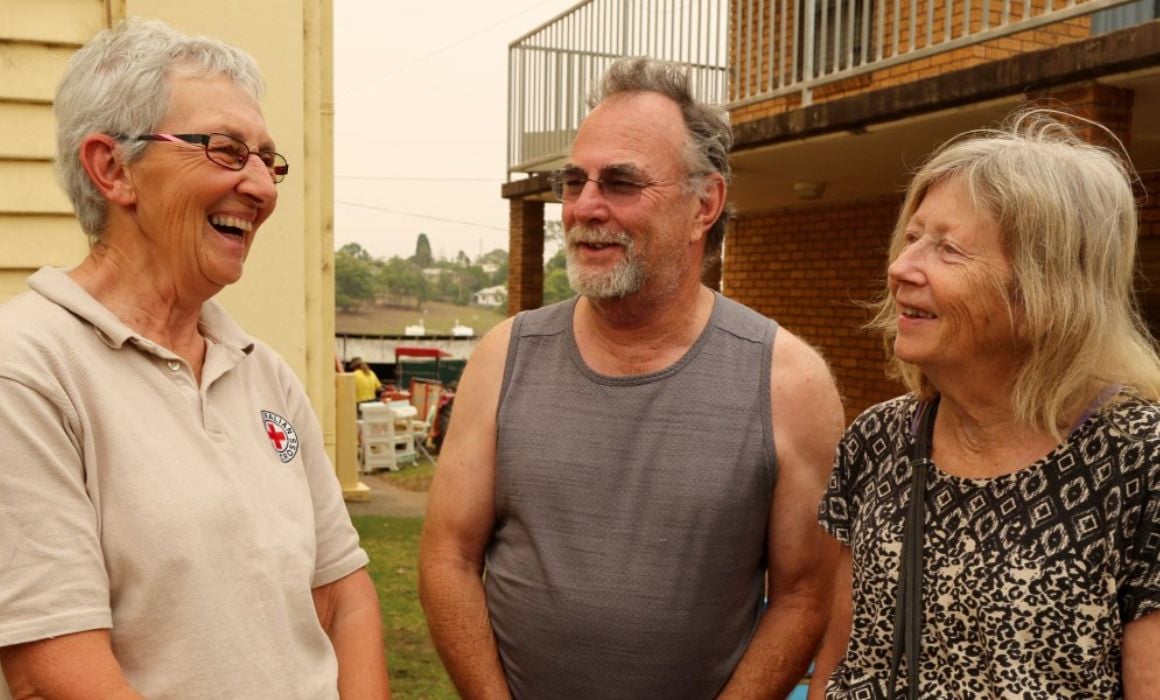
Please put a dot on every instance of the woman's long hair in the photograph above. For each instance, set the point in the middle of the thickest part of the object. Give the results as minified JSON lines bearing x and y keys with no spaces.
{"x":1068,"y":222}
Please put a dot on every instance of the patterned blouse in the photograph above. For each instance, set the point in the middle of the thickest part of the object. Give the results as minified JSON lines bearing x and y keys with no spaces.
{"x":1029,"y":578}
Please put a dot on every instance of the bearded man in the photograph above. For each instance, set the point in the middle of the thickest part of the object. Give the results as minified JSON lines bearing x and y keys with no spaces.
{"x":637,"y":469}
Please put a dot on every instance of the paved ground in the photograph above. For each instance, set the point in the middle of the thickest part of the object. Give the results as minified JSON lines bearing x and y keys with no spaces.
{"x":387,"y":499}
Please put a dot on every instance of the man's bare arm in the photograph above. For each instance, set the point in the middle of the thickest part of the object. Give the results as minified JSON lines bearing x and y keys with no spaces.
{"x":459,"y":525}
{"x":807,"y":421}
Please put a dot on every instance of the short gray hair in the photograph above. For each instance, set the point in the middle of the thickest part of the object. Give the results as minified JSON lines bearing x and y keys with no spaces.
{"x":118,"y":83}
{"x":710,"y":136}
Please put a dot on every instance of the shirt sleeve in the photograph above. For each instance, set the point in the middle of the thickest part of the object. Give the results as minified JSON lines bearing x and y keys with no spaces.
{"x":52,"y":574}
{"x":834,"y":510}
{"x":337,"y":552}
{"x":1142,"y":587}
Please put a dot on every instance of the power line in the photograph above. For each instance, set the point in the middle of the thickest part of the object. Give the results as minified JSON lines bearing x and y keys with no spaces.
{"x":417,"y":216}
{"x":436,"y":52}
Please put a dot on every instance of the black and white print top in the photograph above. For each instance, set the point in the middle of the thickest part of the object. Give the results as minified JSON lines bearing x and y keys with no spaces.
{"x":1028,"y":579}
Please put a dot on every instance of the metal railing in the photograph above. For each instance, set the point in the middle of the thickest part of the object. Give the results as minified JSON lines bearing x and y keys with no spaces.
{"x":741,"y":52}
{"x":780,"y":47}
{"x":553,"y":68}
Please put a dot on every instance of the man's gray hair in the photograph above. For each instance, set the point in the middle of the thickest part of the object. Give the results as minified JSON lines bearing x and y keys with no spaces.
{"x":710,"y":136}
{"x":118,"y":84}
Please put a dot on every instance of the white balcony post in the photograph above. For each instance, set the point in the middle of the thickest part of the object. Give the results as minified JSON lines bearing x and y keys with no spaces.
{"x":808,"y":31}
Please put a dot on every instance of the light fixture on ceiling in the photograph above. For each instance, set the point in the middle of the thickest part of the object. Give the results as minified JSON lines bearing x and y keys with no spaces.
{"x":809,"y":190}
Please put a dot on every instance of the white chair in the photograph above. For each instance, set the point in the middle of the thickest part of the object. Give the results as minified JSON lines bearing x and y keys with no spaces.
{"x":421,"y":430}
{"x":384,"y":446}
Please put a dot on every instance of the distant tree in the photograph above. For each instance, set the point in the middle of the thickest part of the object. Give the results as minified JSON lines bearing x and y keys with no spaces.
{"x":423,"y":257}
{"x":559,"y":261}
{"x":554,"y":233}
{"x":556,"y":287}
{"x":500,"y":276}
{"x":471,"y":279}
{"x":498,"y":256}
{"x":355,"y":250}
{"x":461,"y":259}
{"x":403,"y":279}
{"x":354,"y":277}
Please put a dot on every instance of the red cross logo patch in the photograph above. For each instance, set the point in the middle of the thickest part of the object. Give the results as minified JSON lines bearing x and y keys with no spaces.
{"x":281,"y":435}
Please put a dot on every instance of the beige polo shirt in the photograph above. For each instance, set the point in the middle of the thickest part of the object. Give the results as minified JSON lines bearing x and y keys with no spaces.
{"x":191,"y":520}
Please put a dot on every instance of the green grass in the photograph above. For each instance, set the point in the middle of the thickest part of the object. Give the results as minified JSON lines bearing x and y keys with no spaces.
{"x":438,"y":317}
{"x":393,"y":546}
{"x":416,"y":477}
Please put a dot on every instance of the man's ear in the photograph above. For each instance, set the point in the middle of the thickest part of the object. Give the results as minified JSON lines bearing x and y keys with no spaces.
{"x":711,"y":204}
{"x":101,"y":159}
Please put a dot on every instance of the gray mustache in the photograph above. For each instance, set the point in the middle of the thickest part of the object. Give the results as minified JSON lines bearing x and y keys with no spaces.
{"x":588,"y":234}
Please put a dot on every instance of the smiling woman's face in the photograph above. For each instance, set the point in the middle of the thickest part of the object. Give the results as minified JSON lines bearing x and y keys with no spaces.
{"x":200,"y":217}
{"x":950,"y":284}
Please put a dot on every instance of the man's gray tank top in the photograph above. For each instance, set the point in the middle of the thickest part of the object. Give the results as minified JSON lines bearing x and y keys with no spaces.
{"x":631,"y":512}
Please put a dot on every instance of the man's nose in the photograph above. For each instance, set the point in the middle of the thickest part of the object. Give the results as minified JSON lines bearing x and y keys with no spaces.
{"x":590,"y":204}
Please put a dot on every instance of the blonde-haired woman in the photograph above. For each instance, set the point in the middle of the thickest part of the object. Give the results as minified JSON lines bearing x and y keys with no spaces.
{"x":1001,"y":522}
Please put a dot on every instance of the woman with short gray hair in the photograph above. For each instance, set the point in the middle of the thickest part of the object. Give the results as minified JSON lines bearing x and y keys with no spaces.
{"x":172,"y":526}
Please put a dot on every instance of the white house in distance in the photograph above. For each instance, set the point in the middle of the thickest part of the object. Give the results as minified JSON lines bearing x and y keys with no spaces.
{"x":490,"y":297}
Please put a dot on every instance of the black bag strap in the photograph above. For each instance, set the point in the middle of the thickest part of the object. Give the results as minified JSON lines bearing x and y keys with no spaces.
{"x":908,"y":605}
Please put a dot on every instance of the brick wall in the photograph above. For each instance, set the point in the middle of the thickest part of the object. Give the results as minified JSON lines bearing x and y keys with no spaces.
{"x":1148,"y":196}
{"x":809,"y":268}
{"x":1108,"y":105}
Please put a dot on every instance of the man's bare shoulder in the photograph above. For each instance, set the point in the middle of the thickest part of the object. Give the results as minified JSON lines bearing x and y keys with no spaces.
{"x":797,"y":365}
{"x":490,"y":352}
{"x":807,"y":409}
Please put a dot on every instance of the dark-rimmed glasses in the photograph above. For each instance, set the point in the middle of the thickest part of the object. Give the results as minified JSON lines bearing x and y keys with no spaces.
{"x":616,"y":185}
{"x":226,"y":151}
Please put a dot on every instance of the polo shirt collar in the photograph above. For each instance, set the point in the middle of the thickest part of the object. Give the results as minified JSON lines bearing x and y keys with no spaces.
{"x":55,"y":285}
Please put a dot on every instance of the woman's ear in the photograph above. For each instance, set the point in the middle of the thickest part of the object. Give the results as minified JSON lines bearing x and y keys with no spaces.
{"x":101,"y":159}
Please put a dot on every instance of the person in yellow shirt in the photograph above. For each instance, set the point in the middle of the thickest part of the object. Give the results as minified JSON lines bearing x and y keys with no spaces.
{"x":366,"y":383}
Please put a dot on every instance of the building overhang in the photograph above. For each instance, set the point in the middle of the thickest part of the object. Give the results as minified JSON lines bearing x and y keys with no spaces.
{"x":534,"y":187}
{"x":868,"y":145}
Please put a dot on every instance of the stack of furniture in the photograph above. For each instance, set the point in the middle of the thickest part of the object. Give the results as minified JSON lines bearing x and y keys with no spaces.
{"x":388,"y":440}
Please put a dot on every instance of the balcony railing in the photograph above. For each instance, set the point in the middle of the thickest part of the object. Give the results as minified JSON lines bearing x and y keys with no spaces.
{"x":748,"y":51}
{"x":553,"y":68}
{"x":820,"y":42}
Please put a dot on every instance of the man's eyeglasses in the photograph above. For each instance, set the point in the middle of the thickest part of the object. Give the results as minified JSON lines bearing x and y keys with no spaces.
{"x":226,"y":151}
{"x":617,"y":187}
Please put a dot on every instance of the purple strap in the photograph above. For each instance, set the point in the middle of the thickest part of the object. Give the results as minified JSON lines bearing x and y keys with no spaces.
{"x":1102,"y":398}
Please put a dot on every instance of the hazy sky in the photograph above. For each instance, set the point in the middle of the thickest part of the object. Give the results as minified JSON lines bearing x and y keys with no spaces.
{"x":420,"y":121}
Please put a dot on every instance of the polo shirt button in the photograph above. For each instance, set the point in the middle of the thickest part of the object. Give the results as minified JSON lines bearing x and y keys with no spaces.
{"x":174,"y":365}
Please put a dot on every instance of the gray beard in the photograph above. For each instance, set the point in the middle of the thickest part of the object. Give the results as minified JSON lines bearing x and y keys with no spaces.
{"x":626,"y":277}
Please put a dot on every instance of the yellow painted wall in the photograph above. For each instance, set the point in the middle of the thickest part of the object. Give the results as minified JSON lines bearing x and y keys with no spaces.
{"x":286,"y":295}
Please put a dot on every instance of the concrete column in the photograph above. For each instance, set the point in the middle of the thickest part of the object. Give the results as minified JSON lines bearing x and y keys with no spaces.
{"x":346,"y":444}
{"x":525,"y":255}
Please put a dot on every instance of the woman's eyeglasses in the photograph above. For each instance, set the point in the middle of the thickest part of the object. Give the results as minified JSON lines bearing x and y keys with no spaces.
{"x":225,"y":150}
